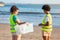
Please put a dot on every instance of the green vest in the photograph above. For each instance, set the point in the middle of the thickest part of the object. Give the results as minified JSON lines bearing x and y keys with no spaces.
{"x":12,"y":24}
{"x":47,"y":28}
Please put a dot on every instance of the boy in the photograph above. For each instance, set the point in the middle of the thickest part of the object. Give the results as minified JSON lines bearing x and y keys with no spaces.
{"x":46,"y":23}
{"x":13,"y":21}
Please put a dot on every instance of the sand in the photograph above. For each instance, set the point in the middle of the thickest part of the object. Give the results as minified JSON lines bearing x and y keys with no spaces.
{"x":36,"y":35}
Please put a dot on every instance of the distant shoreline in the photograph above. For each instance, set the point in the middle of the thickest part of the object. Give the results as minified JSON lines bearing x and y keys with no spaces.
{"x":2,"y":4}
{"x":4,"y":13}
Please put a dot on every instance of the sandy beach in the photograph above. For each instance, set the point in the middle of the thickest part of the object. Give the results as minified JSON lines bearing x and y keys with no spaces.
{"x":36,"y":35}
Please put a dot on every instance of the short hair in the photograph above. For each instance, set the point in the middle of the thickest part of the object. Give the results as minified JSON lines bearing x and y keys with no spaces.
{"x":13,"y":9}
{"x":46,"y":7}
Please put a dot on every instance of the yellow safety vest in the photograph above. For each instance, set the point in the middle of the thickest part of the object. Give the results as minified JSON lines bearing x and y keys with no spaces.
{"x":12,"y":23}
{"x":47,"y":28}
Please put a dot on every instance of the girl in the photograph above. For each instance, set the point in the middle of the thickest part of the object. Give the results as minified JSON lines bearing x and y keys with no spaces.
{"x":13,"y":21}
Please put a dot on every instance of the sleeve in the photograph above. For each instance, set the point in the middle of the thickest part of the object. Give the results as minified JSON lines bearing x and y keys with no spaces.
{"x":49,"y":19}
{"x":14,"y":18}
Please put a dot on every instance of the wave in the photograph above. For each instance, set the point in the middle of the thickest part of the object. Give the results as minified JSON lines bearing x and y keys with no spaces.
{"x":7,"y":13}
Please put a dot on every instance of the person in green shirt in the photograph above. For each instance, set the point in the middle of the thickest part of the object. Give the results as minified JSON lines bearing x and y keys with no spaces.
{"x":13,"y":21}
{"x":46,"y":23}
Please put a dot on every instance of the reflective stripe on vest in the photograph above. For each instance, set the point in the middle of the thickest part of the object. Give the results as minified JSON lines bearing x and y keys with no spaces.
{"x":47,"y":28}
{"x":12,"y":23}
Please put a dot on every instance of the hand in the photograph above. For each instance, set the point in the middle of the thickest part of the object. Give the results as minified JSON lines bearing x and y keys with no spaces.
{"x":27,"y":23}
{"x":47,"y":24}
{"x":40,"y":24}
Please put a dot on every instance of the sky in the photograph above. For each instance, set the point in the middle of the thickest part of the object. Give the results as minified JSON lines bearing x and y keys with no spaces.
{"x":32,"y":1}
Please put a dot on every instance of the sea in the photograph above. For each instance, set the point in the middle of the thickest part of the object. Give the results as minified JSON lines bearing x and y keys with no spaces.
{"x":31,"y":13}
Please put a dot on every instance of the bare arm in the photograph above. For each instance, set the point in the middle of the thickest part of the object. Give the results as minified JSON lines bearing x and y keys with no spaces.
{"x":46,"y":24}
{"x":19,"y":23}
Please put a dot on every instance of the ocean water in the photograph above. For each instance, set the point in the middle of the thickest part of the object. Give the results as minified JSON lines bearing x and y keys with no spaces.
{"x":30,"y":13}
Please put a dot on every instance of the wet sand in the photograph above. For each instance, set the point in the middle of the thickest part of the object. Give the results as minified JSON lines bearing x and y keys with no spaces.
{"x":36,"y":35}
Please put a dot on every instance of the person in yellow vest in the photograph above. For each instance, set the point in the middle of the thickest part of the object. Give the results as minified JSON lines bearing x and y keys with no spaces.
{"x":13,"y":21}
{"x":46,"y":23}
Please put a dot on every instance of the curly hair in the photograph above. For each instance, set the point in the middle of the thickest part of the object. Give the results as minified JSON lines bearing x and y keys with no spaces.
{"x":46,"y":7}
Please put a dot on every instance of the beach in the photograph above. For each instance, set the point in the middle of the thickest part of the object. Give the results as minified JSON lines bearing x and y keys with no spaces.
{"x":36,"y":35}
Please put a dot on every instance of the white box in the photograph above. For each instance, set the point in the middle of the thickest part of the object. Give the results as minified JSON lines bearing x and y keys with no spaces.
{"x":23,"y":29}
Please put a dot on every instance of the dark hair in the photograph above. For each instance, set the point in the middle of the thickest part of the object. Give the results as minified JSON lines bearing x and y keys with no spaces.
{"x":13,"y":9}
{"x":46,"y":7}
